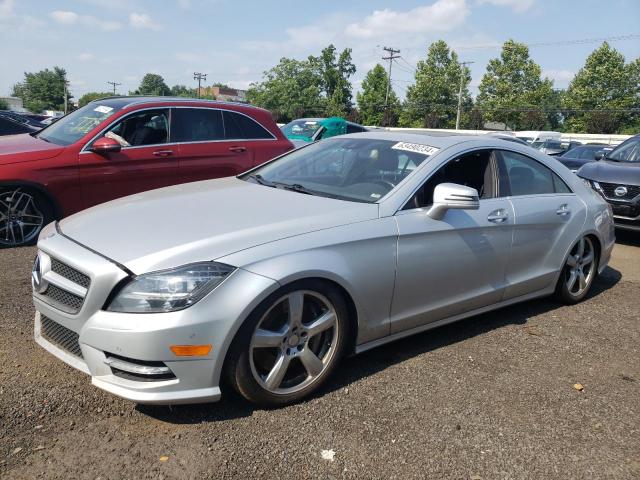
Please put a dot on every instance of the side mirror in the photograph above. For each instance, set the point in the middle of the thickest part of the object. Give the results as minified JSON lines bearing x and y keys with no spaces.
{"x":452,"y":196}
{"x":600,"y":154}
{"x":105,"y":145}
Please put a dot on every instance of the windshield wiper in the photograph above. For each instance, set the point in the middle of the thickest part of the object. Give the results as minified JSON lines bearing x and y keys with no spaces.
{"x":296,"y":187}
{"x":261,"y":180}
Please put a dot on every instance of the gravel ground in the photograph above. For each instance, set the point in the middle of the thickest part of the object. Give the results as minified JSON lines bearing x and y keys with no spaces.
{"x":491,"y":397}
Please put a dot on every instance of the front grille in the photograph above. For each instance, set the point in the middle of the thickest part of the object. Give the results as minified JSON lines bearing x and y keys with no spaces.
{"x":631,"y":211}
{"x":60,"y":336}
{"x":609,"y":190}
{"x":70,"y":273}
{"x":65,"y":301}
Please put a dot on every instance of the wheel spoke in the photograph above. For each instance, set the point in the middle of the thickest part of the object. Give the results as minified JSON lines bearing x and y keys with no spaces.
{"x":587,"y":259}
{"x":267,"y":338}
{"x":322,"y":323}
{"x":572,"y":261}
{"x":277,"y":373}
{"x":296,"y":304}
{"x":583,"y":280}
{"x":572,"y":280}
{"x":312,"y":364}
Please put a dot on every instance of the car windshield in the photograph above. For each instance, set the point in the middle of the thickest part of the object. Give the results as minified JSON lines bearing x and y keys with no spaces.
{"x":302,"y":129}
{"x":72,"y":127}
{"x":627,"y":152}
{"x":354,"y":169}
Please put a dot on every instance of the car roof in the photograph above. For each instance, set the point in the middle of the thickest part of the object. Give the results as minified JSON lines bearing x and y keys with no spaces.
{"x":131,"y":100}
{"x":439,"y":140}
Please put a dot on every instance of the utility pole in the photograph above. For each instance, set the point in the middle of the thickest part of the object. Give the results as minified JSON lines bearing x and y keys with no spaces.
{"x":66,"y":95}
{"x":392,"y":56}
{"x":200,"y":77}
{"x":114,"y":86}
{"x":462,"y":71}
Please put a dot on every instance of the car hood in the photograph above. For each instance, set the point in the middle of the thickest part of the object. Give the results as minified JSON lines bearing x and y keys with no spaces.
{"x":203,"y":221}
{"x":627,"y":173}
{"x":24,"y":147}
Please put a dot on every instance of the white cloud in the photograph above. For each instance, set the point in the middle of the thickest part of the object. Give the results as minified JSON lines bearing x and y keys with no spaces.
{"x":72,"y":18}
{"x":85,"y":56}
{"x":6,"y":8}
{"x":441,"y":16}
{"x":189,"y":57}
{"x":517,"y":5}
{"x":142,"y":20}
{"x":184,"y":3}
{"x":64,"y":17}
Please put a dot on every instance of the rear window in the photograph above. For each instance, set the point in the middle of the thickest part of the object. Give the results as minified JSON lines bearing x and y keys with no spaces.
{"x":238,"y":126}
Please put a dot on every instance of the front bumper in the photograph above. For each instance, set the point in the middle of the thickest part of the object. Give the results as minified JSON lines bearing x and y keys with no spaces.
{"x":145,"y":338}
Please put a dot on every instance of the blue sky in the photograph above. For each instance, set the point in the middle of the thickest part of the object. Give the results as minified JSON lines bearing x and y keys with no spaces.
{"x":234,"y":41}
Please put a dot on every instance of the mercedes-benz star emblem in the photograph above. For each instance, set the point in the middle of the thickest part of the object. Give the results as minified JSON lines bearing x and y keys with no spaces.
{"x":37,"y":281}
{"x":620,"y":191}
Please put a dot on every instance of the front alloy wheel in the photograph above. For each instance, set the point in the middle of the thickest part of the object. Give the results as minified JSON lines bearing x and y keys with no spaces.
{"x":296,"y":339}
{"x":578,"y":273}
{"x":22,"y":216}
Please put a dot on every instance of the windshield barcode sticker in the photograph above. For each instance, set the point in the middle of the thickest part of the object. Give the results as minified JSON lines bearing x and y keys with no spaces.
{"x":415,"y":147}
{"x":103,"y":109}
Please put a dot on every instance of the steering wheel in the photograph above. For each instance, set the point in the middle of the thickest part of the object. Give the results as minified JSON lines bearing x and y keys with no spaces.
{"x":385,"y":183}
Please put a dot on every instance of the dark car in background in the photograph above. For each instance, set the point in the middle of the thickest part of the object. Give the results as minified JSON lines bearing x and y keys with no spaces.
{"x":9,"y":126}
{"x":555,"y":147}
{"x":119,"y":146}
{"x":24,"y":118}
{"x":576,"y":157}
{"x":617,"y":178}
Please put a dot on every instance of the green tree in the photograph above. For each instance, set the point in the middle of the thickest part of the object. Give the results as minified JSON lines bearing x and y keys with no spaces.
{"x":291,"y":89}
{"x":334,"y":71}
{"x":432,"y":101}
{"x":371,"y":100}
{"x":512,"y":90}
{"x":604,"y":95}
{"x":183,"y":91}
{"x":91,"y":96}
{"x":153,"y":84}
{"x":43,"y":90}
{"x":4,"y":105}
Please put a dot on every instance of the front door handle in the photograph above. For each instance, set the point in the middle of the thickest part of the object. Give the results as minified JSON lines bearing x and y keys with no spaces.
{"x":163,"y":153}
{"x":238,"y":149}
{"x":498,"y":216}
{"x":563,"y":210}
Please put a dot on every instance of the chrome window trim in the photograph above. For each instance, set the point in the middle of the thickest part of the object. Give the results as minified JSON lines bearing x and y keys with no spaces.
{"x":85,"y":149}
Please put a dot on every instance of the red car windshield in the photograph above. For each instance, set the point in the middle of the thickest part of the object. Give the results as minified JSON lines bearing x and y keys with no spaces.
{"x":72,"y":127}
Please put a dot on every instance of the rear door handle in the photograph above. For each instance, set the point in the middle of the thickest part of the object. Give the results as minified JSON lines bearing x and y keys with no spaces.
{"x":238,"y":149}
{"x":563,"y":210}
{"x":498,"y":216}
{"x":163,"y":153}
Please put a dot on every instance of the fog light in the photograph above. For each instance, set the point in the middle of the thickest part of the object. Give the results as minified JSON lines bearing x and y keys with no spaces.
{"x":190,"y":350}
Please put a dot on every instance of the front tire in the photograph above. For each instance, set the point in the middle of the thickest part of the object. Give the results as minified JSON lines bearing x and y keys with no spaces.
{"x":23,"y":213}
{"x":289,"y":345}
{"x":578,"y":272}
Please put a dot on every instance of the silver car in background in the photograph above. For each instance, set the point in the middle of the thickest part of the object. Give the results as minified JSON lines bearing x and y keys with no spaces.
{"x":263,"y":282}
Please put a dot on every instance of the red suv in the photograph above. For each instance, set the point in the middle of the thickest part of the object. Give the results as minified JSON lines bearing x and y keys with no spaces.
{"x":118,"y":146}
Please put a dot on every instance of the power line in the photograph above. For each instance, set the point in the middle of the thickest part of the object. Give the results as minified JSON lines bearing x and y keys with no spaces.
{"x":200,"y":77}
{"x":580,"y":41}
{"x":391,"y":57}
{"x":115,"y":84}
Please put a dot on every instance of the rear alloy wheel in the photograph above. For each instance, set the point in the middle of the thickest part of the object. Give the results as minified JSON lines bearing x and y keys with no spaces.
{"x":23,"y":213}
{"x":578,"y":273}
{"x":289,"y":345}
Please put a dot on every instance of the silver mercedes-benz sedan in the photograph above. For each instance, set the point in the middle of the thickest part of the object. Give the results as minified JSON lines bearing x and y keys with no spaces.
{"x":263,"y":282}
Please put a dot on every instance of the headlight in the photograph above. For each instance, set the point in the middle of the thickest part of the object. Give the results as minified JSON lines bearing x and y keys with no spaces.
{"x":169,"y":290}
{"x":587,"y":183}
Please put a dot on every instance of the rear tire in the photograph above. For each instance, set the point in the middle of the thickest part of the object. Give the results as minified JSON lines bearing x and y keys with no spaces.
{"x":289,"y":345}
{"x":579,"y":271}
{"x":23,"y":214}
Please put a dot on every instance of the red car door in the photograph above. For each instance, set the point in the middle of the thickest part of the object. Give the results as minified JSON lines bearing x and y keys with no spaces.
{"x":146,"y":161}
{"x":261,"y":142}
{"x":204,"y":150}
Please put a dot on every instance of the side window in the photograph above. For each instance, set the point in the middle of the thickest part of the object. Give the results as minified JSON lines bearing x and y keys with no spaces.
{"x":474,"y":170}
{"x":526,"y":176}
{"x":148,"y":127}
{"x":196,"y":125}
{"x":238,"y":126}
